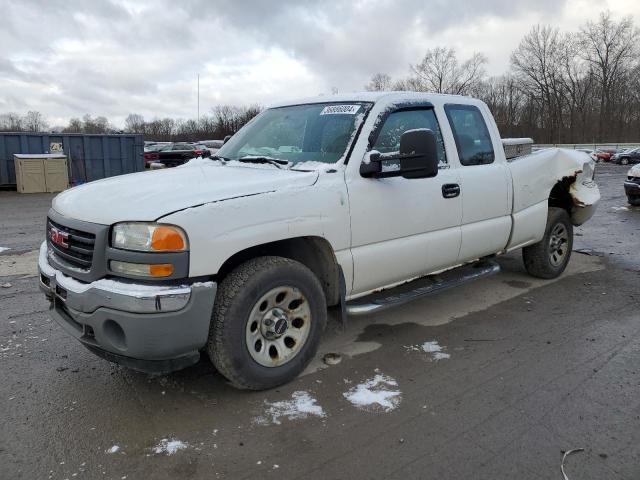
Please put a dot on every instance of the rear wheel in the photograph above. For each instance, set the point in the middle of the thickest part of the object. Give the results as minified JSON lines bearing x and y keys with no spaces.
{"x":624,"y":161}
{"x":267,"y":321}
{"x":549,"y":257}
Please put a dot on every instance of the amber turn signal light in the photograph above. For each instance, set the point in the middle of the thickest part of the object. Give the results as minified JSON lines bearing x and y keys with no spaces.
{"x":161,"y":270}
{"x":167,"y":238}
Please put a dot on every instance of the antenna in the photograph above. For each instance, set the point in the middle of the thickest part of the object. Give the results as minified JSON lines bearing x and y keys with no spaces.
{"x":198,"y":99}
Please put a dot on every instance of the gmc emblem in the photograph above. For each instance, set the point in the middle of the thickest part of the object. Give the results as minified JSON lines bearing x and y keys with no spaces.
{"x":59,"y":237}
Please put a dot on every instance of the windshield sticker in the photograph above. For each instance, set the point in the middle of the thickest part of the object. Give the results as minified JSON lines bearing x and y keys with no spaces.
{"x":340,"y":110}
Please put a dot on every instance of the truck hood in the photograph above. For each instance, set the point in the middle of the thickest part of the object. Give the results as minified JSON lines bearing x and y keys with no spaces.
{"x":147,"y":196}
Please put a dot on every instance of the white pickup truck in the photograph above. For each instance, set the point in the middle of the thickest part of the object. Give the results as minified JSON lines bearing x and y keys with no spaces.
{"x":323,"y":202}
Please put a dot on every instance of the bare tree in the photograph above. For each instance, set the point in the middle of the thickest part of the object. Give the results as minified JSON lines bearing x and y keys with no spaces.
{"x":536,"y":63}
{"x":506,"y":101}
{"x":611,"y":48}
{"x":75,"y":126}
{"x":11,"y":122}
{"x":380,"y":82}
{"x":134,"y":123}
{"x":34,"y":121}
{"x":98,"y":125}
{"x":441,"y":72}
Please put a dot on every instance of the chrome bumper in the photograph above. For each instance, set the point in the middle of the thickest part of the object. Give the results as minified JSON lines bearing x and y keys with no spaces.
{"x":116,"y":295}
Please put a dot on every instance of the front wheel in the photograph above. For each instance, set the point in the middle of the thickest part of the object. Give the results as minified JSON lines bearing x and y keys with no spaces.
{"x":267,"y":321}
{"x":624,"y":161}
{"x":634,"y":200}
{"x":549,"y":257}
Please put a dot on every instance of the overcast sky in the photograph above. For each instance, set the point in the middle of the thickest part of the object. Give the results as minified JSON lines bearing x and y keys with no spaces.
{"x":70,"y":57}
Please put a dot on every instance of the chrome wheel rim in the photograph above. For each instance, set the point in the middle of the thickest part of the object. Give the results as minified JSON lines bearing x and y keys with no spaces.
{"x":278,"y":326}
{"x":558,"y":244}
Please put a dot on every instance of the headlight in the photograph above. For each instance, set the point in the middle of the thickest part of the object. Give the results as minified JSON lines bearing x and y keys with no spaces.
{"x":149,"y":237}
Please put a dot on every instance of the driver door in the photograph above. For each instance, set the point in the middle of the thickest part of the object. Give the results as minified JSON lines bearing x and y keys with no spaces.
{"x":403,"y":228}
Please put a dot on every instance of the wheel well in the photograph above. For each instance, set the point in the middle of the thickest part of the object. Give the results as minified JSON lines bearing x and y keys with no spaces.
{"x":314,"y":252}
{"x":560,"y":196}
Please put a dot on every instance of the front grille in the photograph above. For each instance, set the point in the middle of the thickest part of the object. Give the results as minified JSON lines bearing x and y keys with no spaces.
{"x":81,"y":245}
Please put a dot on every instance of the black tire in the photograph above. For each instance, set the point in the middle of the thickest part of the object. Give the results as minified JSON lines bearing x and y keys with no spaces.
{"x":634,"y":200}
{"x":237,"y":298}
{"x":624,"y":161}
{"x":542,"y":259}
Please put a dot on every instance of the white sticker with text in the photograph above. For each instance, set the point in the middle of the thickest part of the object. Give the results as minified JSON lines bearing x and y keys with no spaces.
{"x":340,"y":110}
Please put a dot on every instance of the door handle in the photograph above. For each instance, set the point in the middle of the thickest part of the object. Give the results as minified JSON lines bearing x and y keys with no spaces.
{"x":450,"y":190}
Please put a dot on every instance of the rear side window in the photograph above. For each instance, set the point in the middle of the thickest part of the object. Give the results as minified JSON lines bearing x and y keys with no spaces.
{"x":398,"y":122}
{"x":471,"y":134}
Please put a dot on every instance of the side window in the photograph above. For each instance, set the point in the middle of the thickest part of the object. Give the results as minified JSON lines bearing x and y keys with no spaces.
{"x":471,"y":134}
{"x":397,"y":123}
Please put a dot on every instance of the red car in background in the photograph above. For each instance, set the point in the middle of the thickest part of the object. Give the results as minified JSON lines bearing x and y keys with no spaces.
{"x":603,"y":154}
{"x":174,"y":154}
{"x":151,"y":152}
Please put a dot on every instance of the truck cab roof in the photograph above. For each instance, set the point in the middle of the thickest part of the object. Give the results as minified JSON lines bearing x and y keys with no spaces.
{"x":382,"y":97}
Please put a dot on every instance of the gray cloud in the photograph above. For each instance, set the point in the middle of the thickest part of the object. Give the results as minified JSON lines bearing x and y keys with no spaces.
{"x":70,"y":57}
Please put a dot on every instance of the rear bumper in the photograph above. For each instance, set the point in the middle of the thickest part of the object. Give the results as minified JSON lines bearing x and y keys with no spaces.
{"x":145,"y":327}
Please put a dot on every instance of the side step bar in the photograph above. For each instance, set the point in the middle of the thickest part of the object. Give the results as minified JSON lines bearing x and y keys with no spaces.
{"x":422,"y":287}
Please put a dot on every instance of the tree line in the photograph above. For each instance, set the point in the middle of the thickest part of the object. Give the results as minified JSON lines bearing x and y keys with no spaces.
{"x":221,"y":121}
{"x":561,"y":87}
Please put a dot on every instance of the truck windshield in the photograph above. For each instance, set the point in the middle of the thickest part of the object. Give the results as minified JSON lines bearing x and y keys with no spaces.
{"x":319,"y":132}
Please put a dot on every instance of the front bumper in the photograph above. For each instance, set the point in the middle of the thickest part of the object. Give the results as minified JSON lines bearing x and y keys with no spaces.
{"x":632,"y":189}
{"x":152,"y":328}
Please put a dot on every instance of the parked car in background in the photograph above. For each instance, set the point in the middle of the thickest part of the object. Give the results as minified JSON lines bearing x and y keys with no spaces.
{"x":603,"y":154}
{"x":212,"y":145}
{"x":632,"y":186}
{"x":180,"y":153}
{"x":151,"y":150}
{"x":627,"y":157}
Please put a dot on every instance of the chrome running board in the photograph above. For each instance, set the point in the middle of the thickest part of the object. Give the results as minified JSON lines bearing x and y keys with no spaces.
{"x":422,"y":287}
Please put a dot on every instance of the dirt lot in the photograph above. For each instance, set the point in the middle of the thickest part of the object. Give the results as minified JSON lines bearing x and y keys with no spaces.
{"x":493,"y":380}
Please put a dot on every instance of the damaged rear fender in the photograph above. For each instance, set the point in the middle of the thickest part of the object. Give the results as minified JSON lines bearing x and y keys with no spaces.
{"x":558,"y":175}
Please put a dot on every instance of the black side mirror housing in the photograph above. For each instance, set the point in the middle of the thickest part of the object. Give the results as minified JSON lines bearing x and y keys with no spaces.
{"x":418,"y":154}
{"x":418,"y":157}
{"x":372,"y":165}
{"x":226,"y":139}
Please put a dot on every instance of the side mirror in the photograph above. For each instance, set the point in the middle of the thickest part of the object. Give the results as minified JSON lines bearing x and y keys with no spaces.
{"x":418,"y":154}
{"x":418,"y":157}
{"x":226,"y":139}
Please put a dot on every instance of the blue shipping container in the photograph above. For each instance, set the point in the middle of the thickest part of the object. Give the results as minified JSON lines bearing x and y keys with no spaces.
{"x":90,"y":157}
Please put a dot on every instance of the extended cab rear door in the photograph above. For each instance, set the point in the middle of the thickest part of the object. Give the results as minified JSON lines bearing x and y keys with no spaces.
{"x":403,"y":228}
{"x":484,"y":182}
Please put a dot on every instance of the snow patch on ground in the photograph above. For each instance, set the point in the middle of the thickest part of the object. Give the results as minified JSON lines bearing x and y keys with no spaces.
{"x":375,"y":393}
{"x":431,"y":347}
{"x":4,"y":249}
{"x":113,"y":449}
{"x":169,"y":447}
{"x":300,"y":406}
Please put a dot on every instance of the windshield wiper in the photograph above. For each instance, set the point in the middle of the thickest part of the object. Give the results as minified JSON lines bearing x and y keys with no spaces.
{"x":273,"y":161}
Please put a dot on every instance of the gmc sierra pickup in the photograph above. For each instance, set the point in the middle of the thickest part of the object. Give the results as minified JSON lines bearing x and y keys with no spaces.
{"x":330,"y":201}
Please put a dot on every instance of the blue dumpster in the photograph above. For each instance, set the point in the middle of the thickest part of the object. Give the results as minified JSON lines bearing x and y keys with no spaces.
{"x":90,"y":157}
